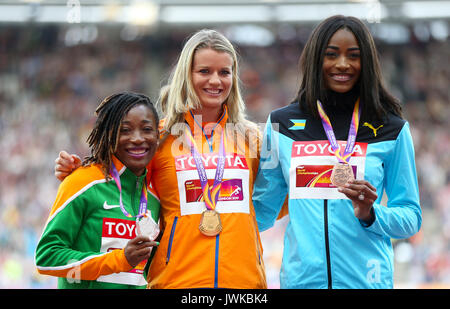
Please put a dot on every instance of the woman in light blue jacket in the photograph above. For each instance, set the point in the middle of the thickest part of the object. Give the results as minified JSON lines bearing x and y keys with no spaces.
{"x":335,"y":151}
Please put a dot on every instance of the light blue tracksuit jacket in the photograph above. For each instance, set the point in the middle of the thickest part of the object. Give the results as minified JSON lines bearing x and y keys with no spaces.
{"x":325,"y":245}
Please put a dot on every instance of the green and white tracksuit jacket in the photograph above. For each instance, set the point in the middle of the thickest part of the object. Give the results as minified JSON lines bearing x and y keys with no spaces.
{"x":83,"y":239}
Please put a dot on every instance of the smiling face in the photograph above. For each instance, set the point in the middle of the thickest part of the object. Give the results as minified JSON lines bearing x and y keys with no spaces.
{"x":342,"y":62}
{"x":138,"y":139}
{"x":212,"y":80}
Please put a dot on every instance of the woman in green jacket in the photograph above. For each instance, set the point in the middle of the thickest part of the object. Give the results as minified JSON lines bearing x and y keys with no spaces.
{"x":94,"y":236}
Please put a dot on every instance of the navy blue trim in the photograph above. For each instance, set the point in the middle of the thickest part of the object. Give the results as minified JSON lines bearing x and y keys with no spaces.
{"x":172,"y":234}
{"x":327,"y":244}
{"x":392,"y":126}
{"x":216,"y":266}
{"x":210,"y":141}
{"x":218,"y":121}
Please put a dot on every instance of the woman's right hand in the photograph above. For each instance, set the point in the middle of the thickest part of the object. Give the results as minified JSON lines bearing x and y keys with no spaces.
{"x":65,"y":164}
{"x":138,"y":249}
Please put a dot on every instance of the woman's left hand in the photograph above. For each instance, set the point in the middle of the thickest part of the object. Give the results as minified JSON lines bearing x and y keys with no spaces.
{"x":363,"y":195}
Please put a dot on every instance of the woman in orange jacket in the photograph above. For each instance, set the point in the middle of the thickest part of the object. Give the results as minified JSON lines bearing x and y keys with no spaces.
{"x":204,"y":172}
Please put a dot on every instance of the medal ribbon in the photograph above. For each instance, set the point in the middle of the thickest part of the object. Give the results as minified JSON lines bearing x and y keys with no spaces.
{"x":351,"y":140}
{"x":143,"y":202}
{"x":210,"y":194}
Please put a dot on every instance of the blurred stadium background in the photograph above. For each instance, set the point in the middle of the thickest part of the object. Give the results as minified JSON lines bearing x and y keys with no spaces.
{"x":59,"y":58}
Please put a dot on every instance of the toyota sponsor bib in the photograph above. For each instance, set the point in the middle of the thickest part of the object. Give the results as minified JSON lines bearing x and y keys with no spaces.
{"x":115,"y":235}
{"x":234,"y":193}
{"x":311,"y":166}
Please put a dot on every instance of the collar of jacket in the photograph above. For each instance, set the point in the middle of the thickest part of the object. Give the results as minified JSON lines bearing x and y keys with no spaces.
{"x":340,"y":103}
{"x":200,"y":134}
{"x":126,"y":172}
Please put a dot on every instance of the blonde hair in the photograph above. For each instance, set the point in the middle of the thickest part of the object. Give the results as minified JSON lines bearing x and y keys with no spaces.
{"x":178,"y":96}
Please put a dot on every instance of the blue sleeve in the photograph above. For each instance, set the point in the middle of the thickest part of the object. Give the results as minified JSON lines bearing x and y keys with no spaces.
{"x":270,"y":188}
{"x":402,"y":217}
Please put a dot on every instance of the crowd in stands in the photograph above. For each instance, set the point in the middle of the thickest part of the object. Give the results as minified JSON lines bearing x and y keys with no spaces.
{"x":49,"y":91}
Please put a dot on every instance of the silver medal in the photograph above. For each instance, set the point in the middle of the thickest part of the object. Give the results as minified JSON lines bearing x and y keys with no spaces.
{"x":146,"y":226}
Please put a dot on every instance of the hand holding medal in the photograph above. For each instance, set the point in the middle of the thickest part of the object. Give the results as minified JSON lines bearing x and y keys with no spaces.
{"x":360,"y":192}
{"x":138,"y":249}
{"x":363,"y":195}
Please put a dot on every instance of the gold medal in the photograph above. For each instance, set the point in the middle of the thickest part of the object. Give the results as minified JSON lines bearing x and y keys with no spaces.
{"x":210,"y":224}
{"x":341,"y":174}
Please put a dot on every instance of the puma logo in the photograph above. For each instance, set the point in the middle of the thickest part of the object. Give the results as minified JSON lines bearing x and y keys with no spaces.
{"x":366,"y":124}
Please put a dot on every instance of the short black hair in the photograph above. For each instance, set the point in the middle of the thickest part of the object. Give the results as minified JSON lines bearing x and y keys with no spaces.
{"x":105,"y":134}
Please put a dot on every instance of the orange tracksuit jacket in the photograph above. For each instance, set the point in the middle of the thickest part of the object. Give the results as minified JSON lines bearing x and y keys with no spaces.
{"x":185,"y":257}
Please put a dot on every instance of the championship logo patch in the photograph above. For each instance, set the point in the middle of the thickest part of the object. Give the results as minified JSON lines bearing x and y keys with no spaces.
{"x":315,"y":176}
{"x":231,"y":190}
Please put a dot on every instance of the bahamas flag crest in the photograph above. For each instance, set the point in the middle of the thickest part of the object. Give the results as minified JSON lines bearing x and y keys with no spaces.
{"x":299,"y":124}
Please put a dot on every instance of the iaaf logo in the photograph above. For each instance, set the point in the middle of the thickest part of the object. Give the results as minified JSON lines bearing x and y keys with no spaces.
{"x":233,"y":161}
{"x":323,"y":148}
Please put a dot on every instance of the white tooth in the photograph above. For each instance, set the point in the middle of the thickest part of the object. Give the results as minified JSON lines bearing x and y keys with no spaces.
{"x":342,"y":77}
{"x":136,"y":151}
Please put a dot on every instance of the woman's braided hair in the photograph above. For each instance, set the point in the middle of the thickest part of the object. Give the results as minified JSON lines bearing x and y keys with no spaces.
{"x":104,"y":137}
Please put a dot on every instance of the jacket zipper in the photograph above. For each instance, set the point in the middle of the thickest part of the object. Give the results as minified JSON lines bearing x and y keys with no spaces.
{"x":327,"y":243}
{"x":172,"y":234}
{"x":133,"y":197}
{"x":216,"y":262}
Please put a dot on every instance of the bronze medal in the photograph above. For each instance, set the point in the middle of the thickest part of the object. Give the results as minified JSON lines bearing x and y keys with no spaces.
{"x":341,"y":174}
{"x":210,"y":224}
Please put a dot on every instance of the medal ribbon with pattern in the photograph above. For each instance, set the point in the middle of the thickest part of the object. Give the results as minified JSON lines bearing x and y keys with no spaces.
{"x":143,"y":202}
{"x":351,"y":140}
{"x":210,"y":194}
